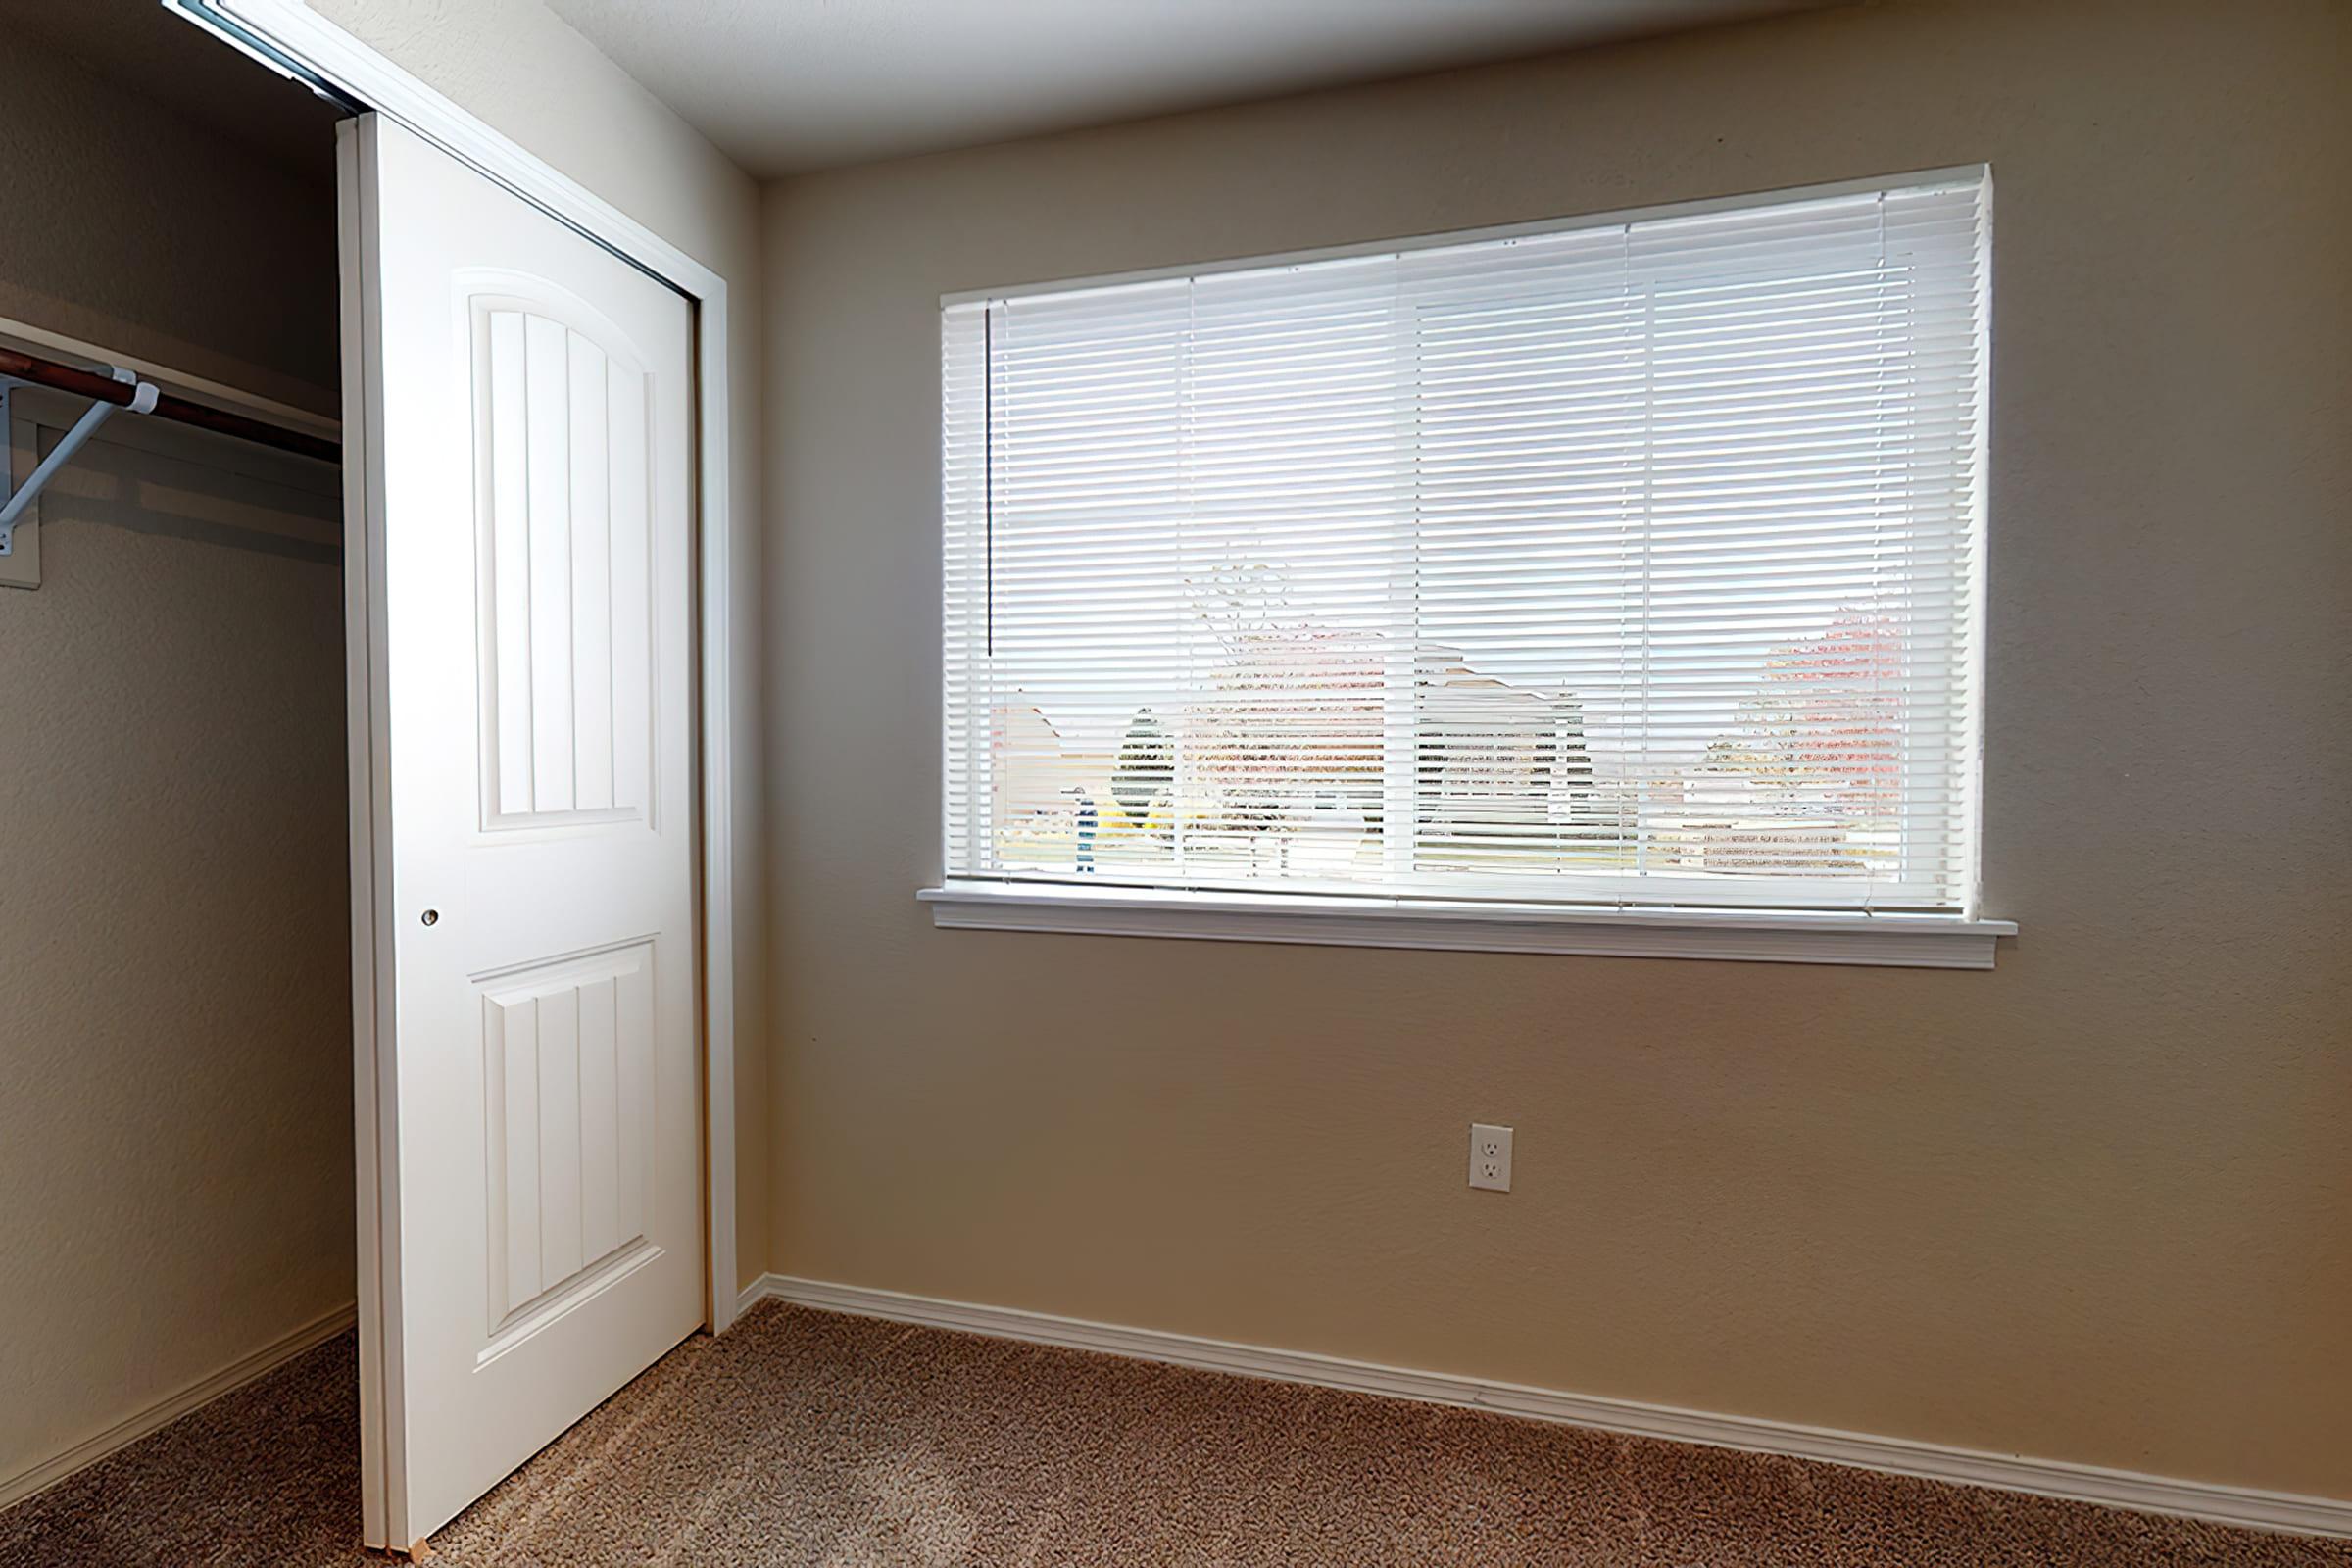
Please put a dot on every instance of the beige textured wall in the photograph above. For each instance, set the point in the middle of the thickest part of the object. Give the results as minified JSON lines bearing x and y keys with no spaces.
{"x":525,"y":73}
{"x":127,"y":226}
{"x":2095,"y":1205}
{"x":175,"y":1055}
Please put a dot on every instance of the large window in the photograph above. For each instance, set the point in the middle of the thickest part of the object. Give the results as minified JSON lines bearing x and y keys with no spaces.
{"x":1630,"y":563}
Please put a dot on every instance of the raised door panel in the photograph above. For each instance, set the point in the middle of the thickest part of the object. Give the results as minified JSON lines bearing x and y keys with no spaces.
{"x":569,"y":1125}
{"x":567,"y":581}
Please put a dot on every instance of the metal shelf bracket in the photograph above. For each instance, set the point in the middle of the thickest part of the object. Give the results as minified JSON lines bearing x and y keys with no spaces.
{"x":142,"y":401}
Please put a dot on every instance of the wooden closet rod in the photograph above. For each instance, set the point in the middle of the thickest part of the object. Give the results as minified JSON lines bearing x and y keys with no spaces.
{"x":92,"y":384}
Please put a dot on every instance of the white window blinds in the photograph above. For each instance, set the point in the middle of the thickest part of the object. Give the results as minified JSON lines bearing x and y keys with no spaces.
{"x":1632,"y":561}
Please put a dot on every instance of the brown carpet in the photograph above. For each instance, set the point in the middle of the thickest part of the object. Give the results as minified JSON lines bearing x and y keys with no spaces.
{"x":805,"y":1437}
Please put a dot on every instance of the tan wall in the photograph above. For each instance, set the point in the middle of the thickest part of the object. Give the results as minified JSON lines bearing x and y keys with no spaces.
{"x":176,"y":1062}
{"x":2095,"y":1205}
{"x":125,"y":225}
{"x":175,"y":1002}
{"x":526,"y":74}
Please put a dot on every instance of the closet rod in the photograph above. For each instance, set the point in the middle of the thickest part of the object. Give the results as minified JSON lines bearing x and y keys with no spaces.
{"x":95,"y":384}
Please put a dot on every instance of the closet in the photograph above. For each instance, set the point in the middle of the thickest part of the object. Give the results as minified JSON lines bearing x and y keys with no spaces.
{"x":175,"y":1130}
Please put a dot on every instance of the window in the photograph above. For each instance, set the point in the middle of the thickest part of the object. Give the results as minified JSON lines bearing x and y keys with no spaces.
{"x":1624,"y":565}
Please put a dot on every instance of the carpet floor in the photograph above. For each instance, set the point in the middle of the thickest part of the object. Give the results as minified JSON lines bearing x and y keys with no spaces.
{"x":807,"y":1438}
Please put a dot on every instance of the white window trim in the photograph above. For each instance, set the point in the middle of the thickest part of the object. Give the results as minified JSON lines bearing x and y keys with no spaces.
{"x":1758,"y":936}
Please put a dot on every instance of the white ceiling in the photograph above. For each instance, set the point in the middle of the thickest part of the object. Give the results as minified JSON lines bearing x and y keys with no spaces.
{"x":788,"y":85}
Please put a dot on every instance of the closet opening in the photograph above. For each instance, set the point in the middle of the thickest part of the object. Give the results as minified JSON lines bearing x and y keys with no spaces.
{"x":362,"y":588}
{"x":175,"y":1078}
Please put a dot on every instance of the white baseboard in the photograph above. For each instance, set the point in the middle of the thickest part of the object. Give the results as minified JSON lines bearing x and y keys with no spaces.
{"x":204,"y":1391}
{"x":2049,"y":1478}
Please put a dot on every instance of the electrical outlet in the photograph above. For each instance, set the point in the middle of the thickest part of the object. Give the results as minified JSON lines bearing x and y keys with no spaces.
{"x":1489,"y":1157}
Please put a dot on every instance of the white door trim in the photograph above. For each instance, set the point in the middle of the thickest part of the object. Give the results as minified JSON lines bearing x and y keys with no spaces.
{"x":296,"y":42}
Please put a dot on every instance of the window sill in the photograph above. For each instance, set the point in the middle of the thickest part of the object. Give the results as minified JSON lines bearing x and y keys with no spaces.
{"x":1763,"y":936}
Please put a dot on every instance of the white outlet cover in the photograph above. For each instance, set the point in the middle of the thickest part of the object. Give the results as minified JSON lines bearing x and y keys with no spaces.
{"x":1489,"y":1157}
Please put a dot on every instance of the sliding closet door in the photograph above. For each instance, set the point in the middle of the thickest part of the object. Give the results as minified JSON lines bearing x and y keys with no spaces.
{"x":520,"y":460}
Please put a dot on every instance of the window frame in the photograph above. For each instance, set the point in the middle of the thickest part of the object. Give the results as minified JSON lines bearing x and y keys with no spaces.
{"x":1733,"y":928}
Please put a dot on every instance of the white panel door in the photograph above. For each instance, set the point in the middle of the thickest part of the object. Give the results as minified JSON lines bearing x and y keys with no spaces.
{"x":520,"y":460}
